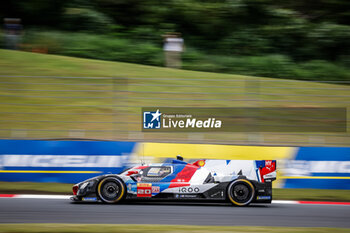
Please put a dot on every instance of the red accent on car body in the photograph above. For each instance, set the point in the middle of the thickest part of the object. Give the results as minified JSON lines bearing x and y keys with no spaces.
{"x":199,"y":163}
{"x":75,"y":189}
{"x":144,"y":190}
{"x":270,"y":166}
{"x":183,"y":176}
{"x":140,"y":167}
{"x":132,"y":173}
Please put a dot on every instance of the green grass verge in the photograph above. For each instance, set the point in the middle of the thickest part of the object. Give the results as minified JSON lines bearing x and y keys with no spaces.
{"x":311,"y":194}
{"x":35,"y":188}
{"x":87,"y":228}
{"x":278,"y":194}
{"x":45,"y":100}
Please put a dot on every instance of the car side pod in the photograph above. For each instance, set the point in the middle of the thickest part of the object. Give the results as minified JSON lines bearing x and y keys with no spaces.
{"x":241,"y":192}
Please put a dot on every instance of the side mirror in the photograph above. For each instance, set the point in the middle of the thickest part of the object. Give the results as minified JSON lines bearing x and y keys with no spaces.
{"x":136,"y":177}
{"x":179,"y":157}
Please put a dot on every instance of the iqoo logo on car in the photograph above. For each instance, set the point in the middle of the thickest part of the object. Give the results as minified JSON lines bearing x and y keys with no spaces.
{"x":188,"y":190}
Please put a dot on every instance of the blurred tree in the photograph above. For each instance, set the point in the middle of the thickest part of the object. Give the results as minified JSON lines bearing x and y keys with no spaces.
{"x":126,"y":12}
{"x":301,"y":30}
{"x":332,"y":40}
{"x":317,"y":11}
{"x":86,"y":19}
{"x":34,"y":12}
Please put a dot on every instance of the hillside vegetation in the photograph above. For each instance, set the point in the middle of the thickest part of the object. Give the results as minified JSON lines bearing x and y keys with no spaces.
{"x":52,"y":107}
{"x":282,"y":39}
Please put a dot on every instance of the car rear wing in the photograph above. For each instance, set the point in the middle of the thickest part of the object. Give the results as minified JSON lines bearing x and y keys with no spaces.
{"x":259,"y":170}
{"x":266,"y":170}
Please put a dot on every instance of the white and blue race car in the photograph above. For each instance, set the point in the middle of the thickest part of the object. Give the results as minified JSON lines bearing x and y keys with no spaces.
{"x":240,"y":182}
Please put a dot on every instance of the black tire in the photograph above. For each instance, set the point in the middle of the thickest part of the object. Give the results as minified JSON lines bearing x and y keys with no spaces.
{"x":241,"y":192}
{"x":111,"y":190}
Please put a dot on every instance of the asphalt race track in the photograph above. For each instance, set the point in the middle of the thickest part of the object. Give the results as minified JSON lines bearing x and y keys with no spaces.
{"x":63,"y":211}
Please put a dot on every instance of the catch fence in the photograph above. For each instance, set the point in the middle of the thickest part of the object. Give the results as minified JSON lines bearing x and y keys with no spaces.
{"x":109,"y":108}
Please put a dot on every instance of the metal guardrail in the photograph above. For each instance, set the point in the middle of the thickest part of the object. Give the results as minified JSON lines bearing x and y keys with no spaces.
{"x":109,"y":108}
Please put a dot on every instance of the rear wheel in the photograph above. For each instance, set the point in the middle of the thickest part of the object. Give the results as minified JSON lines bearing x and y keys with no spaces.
{"x":111,"y":190}
{"x":241,"y":192}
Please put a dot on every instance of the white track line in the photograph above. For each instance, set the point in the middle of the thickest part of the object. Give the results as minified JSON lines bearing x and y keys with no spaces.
{"x":42,"y":196}
{"x":284,"y":202}
{"x":67,"y":197}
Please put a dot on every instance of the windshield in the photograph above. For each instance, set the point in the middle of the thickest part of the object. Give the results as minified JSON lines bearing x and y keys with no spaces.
{"x":157,"y":171}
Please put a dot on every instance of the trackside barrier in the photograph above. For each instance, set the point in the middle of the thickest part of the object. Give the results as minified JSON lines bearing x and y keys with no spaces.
{"x":61,"y":161}
{"x":318,"y":167}
{"x":74,"y":161}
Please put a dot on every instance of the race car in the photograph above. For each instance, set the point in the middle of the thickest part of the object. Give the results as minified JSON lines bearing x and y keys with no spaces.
{"x":239,"y":182}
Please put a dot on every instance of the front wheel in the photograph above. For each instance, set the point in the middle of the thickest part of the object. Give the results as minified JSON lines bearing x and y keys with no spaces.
{"x":241,"y":192}
{"x":111,"y":190}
